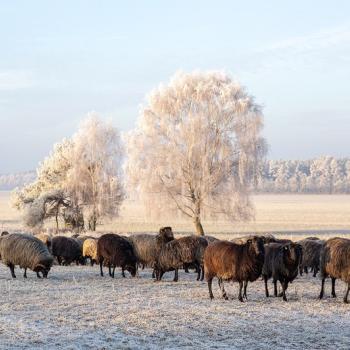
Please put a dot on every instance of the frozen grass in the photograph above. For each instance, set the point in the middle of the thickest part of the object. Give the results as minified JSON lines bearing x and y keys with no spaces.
{"x":75,"y":308}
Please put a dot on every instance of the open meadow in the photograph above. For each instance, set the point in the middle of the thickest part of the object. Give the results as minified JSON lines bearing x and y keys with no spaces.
{"x":75,"y":308}
{"x":290,"y":216}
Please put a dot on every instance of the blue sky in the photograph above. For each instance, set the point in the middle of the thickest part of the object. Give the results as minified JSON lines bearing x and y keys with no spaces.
{"x":62,"y":59}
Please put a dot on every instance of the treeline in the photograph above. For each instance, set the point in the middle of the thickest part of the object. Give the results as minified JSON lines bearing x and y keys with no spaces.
{"x":10,"y":181}
{"x":321,"y":175}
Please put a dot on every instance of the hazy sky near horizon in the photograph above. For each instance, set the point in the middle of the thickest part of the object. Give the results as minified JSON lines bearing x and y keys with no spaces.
{"x":61,"y":59}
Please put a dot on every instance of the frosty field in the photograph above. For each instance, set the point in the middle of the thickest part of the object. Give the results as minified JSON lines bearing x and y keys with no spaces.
{"x":75,"y":308}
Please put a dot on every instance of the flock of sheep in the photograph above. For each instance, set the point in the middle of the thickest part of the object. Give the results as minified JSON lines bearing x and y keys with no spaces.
{"x":241,"y":260}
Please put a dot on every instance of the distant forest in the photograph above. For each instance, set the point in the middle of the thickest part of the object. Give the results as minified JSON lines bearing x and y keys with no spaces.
{"x":321,"y":175}
{"x":10,"y":181}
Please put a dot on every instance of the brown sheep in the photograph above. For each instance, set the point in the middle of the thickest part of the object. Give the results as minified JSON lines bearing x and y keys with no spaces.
{"x":335,"y":263}
{"x":114,"y":250}
{"x":229,"y":261}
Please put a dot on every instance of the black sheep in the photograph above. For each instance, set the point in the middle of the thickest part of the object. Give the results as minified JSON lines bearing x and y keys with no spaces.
{"x":114,"y":250}
{"x":66,"y":250}
{"x":185,"y":251}
{"x":282,"y":264}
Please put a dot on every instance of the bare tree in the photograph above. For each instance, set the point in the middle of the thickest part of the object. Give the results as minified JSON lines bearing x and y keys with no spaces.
{"x":197,"y":147}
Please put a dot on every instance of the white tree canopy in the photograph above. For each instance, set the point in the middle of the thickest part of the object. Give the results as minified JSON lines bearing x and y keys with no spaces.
{"x":197,"y":146}
{"x":82,"y":174}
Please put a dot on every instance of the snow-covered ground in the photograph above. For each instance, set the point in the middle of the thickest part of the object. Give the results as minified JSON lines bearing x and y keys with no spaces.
{"x":75,"y":308}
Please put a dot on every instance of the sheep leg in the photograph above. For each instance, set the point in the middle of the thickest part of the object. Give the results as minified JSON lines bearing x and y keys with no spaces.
{"x":240,"y":298}
{"x":245,"y":289}
{"x":306,"y":270}
{"x":12,"y":269}
{"x":25,"y":273}
{"x":333,"y":288}
{"x":202,"y":269}
{"x":91,"y":262}
{"x":156,"y":274}
{"x":322,"y":289}
{"x":159,"y":274}
{"x":113,"y":270}
{"x":347,"y":294}
{"x":275,"y":288}
{"x":38,"y":275}
{"x":210,"y":282}
{"x":153,"y":273}
{"x":176,"y":275}
{"x":315,"y":271}
{"x":284,"y":288}
{"x":101,"y":269}
{"x":123,"y":273}
{"x":300,"y":270}
{"x":59,"y":260}
{"x":109,"y":270}
{"x":266,"y":287}
{"x":198,"y":268}
{"x":221,"y":286}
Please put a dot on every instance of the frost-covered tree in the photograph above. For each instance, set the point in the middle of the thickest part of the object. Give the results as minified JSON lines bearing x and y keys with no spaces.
{"x":197,"y":147}
{"x":82,"y":176}
{"x":47,"y":196}
{"x":95,"y":179}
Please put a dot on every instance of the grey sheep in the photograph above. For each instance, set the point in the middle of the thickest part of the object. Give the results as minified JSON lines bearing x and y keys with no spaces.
{"x":335,"y":263}
{"x":26,"y":251}
{"x":281,"y":263}
{"x":178,"y":252}
{"x":147,"y":246}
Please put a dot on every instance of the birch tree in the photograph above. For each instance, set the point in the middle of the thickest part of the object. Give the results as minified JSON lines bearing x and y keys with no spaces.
{"x":80,"y":178}
{"x":95,"y":179}
{"x":197,"y":147}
